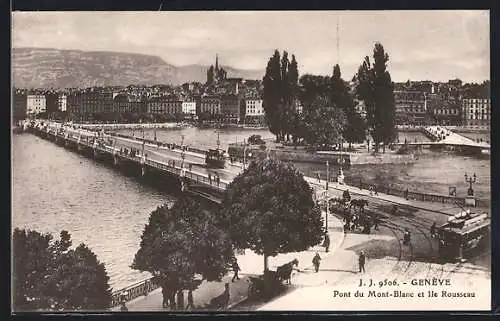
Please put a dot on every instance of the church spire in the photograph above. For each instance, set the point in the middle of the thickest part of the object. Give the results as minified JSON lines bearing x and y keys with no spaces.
{"x":216,"y":61}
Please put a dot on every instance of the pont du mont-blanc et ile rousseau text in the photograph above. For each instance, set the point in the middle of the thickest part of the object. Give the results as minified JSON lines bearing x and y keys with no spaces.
{"x":379,"y":289}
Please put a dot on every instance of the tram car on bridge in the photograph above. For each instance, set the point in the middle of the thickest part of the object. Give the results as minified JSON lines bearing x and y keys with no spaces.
{"x":215,"y":158}
{"x":462,"y":234}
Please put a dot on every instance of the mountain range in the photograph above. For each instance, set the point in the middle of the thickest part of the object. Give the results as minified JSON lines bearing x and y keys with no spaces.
{"x":55,"y":68}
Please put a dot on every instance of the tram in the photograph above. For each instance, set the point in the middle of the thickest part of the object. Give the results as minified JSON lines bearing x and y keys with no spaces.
{"x":463,"y":233}
{"x":215,"y":158}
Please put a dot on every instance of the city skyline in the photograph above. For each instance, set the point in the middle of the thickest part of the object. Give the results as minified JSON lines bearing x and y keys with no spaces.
{"x":422,"y":45}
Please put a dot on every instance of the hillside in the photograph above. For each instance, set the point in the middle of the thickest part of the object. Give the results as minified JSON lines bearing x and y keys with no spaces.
{"x":46,"y":68}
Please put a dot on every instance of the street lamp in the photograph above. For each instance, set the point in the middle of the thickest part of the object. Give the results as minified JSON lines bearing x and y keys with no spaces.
{"x":470,"y":180}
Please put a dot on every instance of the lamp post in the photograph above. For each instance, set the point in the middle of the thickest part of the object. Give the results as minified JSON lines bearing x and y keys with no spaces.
{"x":470,"y":180}
{"x":340,"y":177}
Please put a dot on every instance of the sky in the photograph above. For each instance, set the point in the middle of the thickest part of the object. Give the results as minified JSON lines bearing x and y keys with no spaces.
{"x":422,"y":45}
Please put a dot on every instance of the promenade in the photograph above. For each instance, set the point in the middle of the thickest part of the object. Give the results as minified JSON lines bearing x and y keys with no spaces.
{"x":251,"y":264}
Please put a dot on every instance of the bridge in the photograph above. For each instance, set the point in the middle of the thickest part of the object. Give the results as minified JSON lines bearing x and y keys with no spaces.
{"x":183,"y":167}
{"x":441,"y":136}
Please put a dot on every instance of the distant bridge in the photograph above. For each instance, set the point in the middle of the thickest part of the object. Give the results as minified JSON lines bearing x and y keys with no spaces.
{"x":441,"y":136}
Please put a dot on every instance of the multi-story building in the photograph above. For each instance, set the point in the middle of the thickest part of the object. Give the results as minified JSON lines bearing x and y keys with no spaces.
{"x":124,"y":103}
{"x":189,"y":107}
{"x":298,"y":106}
{"x":166,"y":105}
{"x":51,"y":102}
{"x":210,"y":105}
{"x":476,"y":111}
{"x":73,"y":102}
{"x":253,"y":107}
{"x":443,"y":111}
{"x":62,"y":102}
{"x":411,"y":107}
{"x":19,"y":105}
{"x":35,"y":104}
{"x":360,"y":108}
{"x":231,"y":108}
{"x":95,"y":102}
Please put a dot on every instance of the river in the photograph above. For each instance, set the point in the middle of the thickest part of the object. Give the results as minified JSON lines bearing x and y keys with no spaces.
{"x":54,"y":189}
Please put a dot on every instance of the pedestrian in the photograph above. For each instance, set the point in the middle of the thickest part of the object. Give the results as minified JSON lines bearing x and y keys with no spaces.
{"x":316,"y":259}
{"x":406,"y":237}
{"x":165,"y":297}
{"x":371,"y":190}
{"x":319,"y":177}
{"x":190,"y":167}
{"x":326,"y":242}
{"x":346,"y":196}
{"x":375,"y":223}
{"x":375,"y":189}
{"x":190,"y":304}
{"x":218,"y":180}
{"x":173,"y":163}
{"x":210,"y":178}
{"x":236,"y":269}
{"x":406,"y":194}
{"x":123,"y":308}
{"x":361,"y":260}
{"x":433,"y":230}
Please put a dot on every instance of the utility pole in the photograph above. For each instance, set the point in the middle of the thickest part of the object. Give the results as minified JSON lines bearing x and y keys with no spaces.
{"x":244,"y":153}
{"x":326,"y":192}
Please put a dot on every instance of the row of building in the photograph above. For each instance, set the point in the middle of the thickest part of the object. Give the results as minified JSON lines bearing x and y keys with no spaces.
{"x":417,"y":107}
{"x":232,"y":107}
{"x":412,"y":107}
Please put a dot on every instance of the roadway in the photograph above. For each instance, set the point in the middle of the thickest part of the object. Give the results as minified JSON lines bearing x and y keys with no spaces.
{"x":164,"y":154}
{"x":387,"y":259}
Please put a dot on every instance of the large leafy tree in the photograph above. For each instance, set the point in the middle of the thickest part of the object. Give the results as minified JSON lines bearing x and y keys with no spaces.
{"x":49,"y":276}
{"x":324,"y":123}
{"x":354,"y":130}
{"x":376,"y":89}
{"x":182,"y":246}
{"x":269,"y":209}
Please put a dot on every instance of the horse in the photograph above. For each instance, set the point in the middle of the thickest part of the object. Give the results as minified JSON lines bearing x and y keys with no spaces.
{"x":221,"y":301}
{"x":360,"y":204}
{"x":284,"y":272}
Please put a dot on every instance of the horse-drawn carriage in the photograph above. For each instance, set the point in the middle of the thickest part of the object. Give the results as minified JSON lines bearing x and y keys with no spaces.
{"x":271,"y":282}
{"x":353,"y":213}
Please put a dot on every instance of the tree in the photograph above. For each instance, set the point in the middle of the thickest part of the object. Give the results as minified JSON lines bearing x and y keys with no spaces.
{"x":354,"y":130}
{"x":49,"y":276}
{"x":269,"y":209}
{"x":280,"y":91}
{"x":210,"y":75}
{"x":182,"y":246}
{"x":324,"y":123}
{"x":271,"y":95}
{"x":376,"y":89}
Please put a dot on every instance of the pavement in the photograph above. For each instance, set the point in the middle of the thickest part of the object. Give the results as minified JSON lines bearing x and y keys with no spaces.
{"x":335,"y":286}
{"x":251,"y":264}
